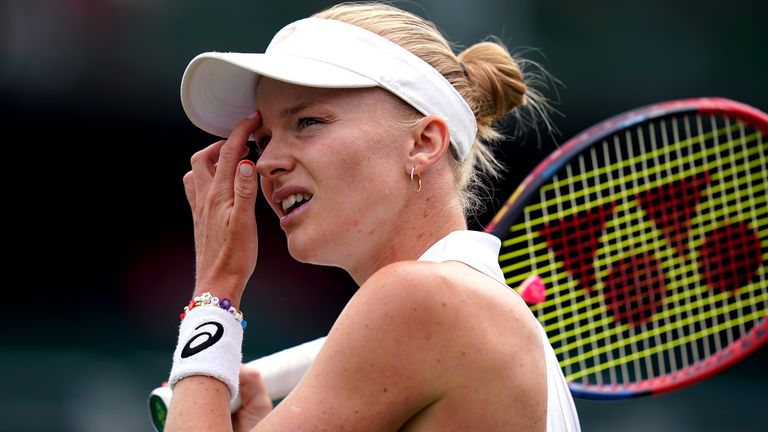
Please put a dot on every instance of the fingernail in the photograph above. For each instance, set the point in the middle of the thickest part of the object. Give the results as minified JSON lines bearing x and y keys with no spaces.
{"x":246,"y":168}
{"x":253,"y":115}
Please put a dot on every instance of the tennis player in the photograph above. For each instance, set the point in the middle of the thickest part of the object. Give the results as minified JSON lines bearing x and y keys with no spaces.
{"x":373,"y":135}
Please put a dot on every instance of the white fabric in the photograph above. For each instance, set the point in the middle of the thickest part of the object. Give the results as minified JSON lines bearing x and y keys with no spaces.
{"x":219,"y":89}
{"x":220,"y":360}
{"x":481,"y":252}
{"x":475,"y":249}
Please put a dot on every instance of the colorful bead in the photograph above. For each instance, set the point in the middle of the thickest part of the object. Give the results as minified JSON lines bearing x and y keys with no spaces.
{"x":225,"y":303}
{"x":206,"y":299}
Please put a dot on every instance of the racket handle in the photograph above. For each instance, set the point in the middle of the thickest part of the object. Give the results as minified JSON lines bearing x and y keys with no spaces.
{"x":283,"y":370}
{"x":280,"y":371}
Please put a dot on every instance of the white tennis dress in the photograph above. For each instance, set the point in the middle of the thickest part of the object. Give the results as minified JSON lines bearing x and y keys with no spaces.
{"x":481,"y":252}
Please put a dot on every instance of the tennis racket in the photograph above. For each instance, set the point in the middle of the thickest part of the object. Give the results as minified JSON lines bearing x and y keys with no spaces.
{"x":650,"y":232}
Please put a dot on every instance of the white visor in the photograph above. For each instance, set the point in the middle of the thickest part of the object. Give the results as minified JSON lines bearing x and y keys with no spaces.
{"x":219,"y":89}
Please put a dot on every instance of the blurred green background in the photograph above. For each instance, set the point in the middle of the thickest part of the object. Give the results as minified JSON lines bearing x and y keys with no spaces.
{"x":91,"y":119}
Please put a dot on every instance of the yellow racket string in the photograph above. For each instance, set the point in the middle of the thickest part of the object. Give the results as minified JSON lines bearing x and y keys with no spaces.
{"x":636,"y":176}
{"x":666,"y":346}
{"x":727,"y":163}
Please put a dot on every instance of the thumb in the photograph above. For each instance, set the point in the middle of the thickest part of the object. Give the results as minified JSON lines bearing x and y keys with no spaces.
{"x":246,"y":188}
{"x":252,"y":389}
{"x":256,"y":401}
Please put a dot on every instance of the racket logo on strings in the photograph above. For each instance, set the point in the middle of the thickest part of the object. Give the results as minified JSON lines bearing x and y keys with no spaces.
{"x":635,"y":287}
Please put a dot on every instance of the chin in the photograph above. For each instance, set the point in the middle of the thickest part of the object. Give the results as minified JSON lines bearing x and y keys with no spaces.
{"x":308,"y":251}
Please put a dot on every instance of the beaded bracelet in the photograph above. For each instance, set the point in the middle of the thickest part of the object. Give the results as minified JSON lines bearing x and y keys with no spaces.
{"x":206,"y":299}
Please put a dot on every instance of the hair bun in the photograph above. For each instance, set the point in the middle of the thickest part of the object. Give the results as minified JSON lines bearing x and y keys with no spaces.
{"x":496,"y":78}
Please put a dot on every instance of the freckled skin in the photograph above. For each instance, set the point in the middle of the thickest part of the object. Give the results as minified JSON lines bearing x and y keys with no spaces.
{"x":355,"y":125}
{"x":420,"y":346}
{"x":439,"y":365}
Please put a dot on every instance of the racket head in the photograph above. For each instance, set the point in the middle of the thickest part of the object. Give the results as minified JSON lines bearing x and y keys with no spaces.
{"x":672,"y":176}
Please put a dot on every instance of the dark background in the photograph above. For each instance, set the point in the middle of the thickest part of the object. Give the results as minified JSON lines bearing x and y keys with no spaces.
{"x":99,"y":255}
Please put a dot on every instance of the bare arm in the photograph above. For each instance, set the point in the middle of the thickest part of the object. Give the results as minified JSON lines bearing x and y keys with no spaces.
{"x":424,"y":346}
{"x":222,"y":197}
{"x":199,"y":403}
{"x":377,"y":368}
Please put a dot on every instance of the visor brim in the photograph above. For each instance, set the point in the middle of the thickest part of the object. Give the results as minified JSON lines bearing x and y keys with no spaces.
{"x":219,"y":89}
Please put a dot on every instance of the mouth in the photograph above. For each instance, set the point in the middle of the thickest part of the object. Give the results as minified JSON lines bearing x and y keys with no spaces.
{"x":293,"y":201}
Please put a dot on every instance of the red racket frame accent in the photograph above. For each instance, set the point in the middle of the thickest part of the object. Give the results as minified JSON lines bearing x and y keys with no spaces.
{"x":515,"y":205}
{"x":694,"y":373}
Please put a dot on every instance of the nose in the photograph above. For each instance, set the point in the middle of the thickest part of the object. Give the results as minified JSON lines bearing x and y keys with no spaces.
{"x":275,"y":159}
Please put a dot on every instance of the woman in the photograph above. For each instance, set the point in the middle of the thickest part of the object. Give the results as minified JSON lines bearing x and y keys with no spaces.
{"x":372,"y":134}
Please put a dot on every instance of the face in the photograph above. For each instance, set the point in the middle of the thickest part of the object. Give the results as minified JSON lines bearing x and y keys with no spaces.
{"x":332,"y":168}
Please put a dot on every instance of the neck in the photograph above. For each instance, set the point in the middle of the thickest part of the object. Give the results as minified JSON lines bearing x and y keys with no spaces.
{"x":410,"y":236}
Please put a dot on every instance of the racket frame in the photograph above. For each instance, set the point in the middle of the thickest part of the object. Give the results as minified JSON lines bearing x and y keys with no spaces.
{"x":513,"y":208}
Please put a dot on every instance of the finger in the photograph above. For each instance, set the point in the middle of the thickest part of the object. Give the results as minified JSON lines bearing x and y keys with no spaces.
{"x":252,"y":386}
{"x":246,"y":191}
{"x":256,"y":402}
{"x":246,"y":150}
{"x":189,"y":189}
{"x":203,"y":169}
{"x":245,"y":153}
{"x":231,"y":151}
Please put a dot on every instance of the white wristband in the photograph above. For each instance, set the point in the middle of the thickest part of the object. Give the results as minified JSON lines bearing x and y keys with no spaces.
{"x":210,"y":343}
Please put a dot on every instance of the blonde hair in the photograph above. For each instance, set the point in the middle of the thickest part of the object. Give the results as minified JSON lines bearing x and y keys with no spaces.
{"x":488,"y":77}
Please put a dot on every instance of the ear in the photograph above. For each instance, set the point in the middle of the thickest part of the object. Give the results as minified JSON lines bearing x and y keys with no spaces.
{"x":431,"y":139}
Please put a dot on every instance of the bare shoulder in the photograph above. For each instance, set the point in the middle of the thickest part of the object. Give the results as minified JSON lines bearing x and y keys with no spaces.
{"x":374,"y":370}
{"x":407,"y":310}
{"x":412,"y":342}
{"x":460,"y":334}
{"x":473,"y":342}
{"x":450,"y":296}
{"x":440,"y":303}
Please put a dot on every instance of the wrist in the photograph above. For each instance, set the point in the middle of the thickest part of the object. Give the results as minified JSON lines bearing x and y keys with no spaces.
{"x":210,"y":342}
{"x":206,"y":299}
{"x":221,"y":290}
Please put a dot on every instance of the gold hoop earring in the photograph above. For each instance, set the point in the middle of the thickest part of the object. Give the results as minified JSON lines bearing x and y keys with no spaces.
{"x":416,"y":188}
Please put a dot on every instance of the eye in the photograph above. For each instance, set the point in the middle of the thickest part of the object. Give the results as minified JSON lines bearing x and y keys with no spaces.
{"x":307,"y":122}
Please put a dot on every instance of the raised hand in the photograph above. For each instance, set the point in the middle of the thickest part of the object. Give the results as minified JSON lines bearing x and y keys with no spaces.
{"x":221,"y":189}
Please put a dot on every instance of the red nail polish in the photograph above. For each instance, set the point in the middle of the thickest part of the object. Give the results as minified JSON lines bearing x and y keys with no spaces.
{"x":246,"y":168}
